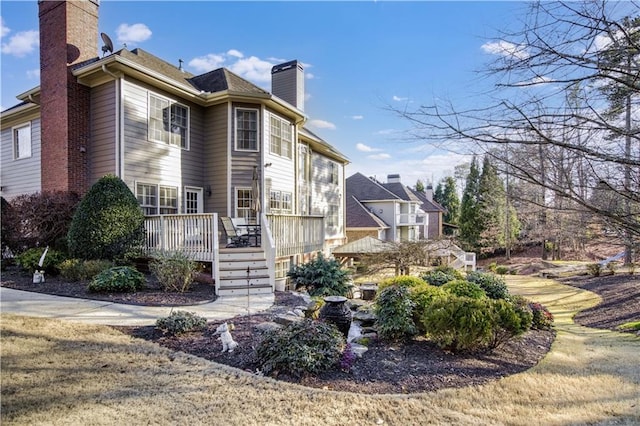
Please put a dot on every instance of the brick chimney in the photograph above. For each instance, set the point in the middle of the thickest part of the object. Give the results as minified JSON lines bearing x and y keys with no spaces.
{"x":68,"y":35}
{"x":287,"y":83}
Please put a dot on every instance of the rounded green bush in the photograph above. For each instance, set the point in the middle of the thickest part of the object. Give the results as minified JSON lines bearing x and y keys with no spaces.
{"x":180,"y":322}
{"x":464,"y":288}
{"x":119,"y":279}
{"x":29,"y":260}
{"x":394,"y":310}
{"x":401,"y":280}
{"x":422,"y":296}
{"x":301,"y":348}
{"x":493,"y":285}
{"x":108,"y":223}
{"x":321,"y":277}
{"x":442,"y":275}
{"x":458,"y":323}
{"x":80,"y":270}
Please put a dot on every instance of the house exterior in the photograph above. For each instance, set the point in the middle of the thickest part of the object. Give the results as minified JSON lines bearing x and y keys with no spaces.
{"x":434,"y":212}
{"x":386,"y":211}
{"x":184,"y":144}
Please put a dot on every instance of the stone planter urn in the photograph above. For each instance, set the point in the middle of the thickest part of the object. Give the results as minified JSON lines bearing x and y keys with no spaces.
{"x":336,"y":312}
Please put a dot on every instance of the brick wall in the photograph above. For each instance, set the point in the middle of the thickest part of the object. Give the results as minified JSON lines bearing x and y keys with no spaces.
{"x":68,"y":35}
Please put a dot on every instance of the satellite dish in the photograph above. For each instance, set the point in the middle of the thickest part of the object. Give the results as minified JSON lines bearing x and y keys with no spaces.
{"x":108,"y":44}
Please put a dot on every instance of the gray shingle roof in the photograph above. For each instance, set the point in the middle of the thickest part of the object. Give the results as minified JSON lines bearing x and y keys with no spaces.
{"x":428,"y":206}
{"x":366,"y":189}
{"x":358,"y":216}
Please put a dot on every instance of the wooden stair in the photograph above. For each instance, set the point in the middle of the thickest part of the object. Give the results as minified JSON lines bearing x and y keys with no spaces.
{"x":243,"y":271}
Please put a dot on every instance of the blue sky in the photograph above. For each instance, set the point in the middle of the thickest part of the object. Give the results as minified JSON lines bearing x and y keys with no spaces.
{"x":360,"y":57}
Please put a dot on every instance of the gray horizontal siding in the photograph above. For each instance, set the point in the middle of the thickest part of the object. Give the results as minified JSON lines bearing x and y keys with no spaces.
{"x":102,"y":150}
{"x":156,"y":162}
{"x":20,"y":176}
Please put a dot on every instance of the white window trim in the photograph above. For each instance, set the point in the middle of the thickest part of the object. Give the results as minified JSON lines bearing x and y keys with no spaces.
{"x":171,"y":102}
{"x":15,"y":141}
{"x":334,"y":173}
{"x":283,"y":123}
{"x":158,"y":207}
{"x":235,"y":201}
{"x":235,"y":129}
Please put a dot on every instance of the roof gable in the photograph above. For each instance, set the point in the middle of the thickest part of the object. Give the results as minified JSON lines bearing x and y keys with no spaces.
{"x":366,"y":189}
{"x":358,"y":216}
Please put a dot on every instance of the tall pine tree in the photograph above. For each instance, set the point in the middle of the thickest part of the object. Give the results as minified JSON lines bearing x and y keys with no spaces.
{"x":470,"y":221}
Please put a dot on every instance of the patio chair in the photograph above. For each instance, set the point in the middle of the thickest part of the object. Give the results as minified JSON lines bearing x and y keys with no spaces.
{"x":236,"y":239}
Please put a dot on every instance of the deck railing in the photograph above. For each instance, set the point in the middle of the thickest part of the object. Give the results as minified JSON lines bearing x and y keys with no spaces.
{"x":294,"y":234}
{"x":195,"y":235}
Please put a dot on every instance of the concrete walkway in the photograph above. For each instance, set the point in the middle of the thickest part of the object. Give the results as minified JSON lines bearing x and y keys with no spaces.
{"x":101,"y":312}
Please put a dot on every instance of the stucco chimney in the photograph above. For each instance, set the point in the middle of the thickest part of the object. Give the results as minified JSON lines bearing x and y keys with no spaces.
{"x":68,"y":36}
{"x":287,"y":83}
{"x":428,"y":192}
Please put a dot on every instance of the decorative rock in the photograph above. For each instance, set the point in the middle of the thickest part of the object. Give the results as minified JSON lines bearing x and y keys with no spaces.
{"x":264,"y":327}
{"x":366,"y":318}
{"x":358,"y":349}
{"x":286,"y":319}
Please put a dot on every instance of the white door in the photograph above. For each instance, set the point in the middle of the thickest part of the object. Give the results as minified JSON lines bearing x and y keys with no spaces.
{"x":193,"y":200}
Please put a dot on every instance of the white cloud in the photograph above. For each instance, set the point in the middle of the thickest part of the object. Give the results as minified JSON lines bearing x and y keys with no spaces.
{"x":398,"y":98}
{"x":381,"y":156}
{"x":235,"y":53}
{"x":207,"y":63}
{"x":365,"y":148}
{"x":322,"y":124}
{"x":131,"y":34}
{"x":505,"y":48}
{"x":4,"y":30}
{"x":309,"y":76}
{"x":357,"y":117}
{"x":253,"y":69}
{"x":385,"y":132}
{"x":33,"y":74}
{"x":21,"y":43}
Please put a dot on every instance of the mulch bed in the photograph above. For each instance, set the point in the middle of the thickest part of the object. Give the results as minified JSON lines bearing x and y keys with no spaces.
{"x":152,"y":295}
{"x":415,"y":366}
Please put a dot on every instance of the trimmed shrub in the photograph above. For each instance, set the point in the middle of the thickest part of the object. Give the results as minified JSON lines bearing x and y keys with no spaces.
{"x":80,"y":270}
{"x":175,"y":271}
{"x":29,"y":260}
{"x":180,"y":322}
{"x":502,"y":270}
{"x":464,"y":289}
{"x":321,"y":277}
{"x":38,"y":220}
{"x":119,"y":279}
{"x":464,"y":324}
{"x":522,"y":308}
{"x":422,"y":296}
{"x":394,"y":309}
{"x":301,"y":348}
{"x":542,"y":318}
{"x":401,"y":280}
{"x":494,"y":286}
{"x":108,"y":223}
{"x":442,"y":275}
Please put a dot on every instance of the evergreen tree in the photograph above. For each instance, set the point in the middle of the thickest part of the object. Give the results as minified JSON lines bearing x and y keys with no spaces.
{"x":419,"y":186}
{"x":469,"y":221}
{"x":450,"y":201}
{"x":438,"y":194}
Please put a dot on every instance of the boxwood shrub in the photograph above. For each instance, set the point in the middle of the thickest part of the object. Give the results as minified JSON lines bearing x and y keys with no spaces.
{"x":119,"y":279}
{"x":303,"y":347}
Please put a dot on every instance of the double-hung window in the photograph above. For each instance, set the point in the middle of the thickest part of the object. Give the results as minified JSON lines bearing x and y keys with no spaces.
{"x":333,"y":173}
{"x":332,"y":215}
{"x":281,"y":137}
{"x":168,"y":122}
{"x":280,"y":202}
{"x":22,"y":142}
{"x":246,"y":129}
{"x":244,"y":198}
{"x":156,"y":199}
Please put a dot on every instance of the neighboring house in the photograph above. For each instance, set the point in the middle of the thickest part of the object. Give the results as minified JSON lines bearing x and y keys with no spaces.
{"x":374,"y":209}
{"x":434,"y":211}
{"x":184,"y":144}
{"x":379,"y":212}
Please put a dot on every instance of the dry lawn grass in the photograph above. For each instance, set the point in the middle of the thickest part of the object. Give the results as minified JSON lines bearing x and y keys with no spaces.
{"x":61,"y":373}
